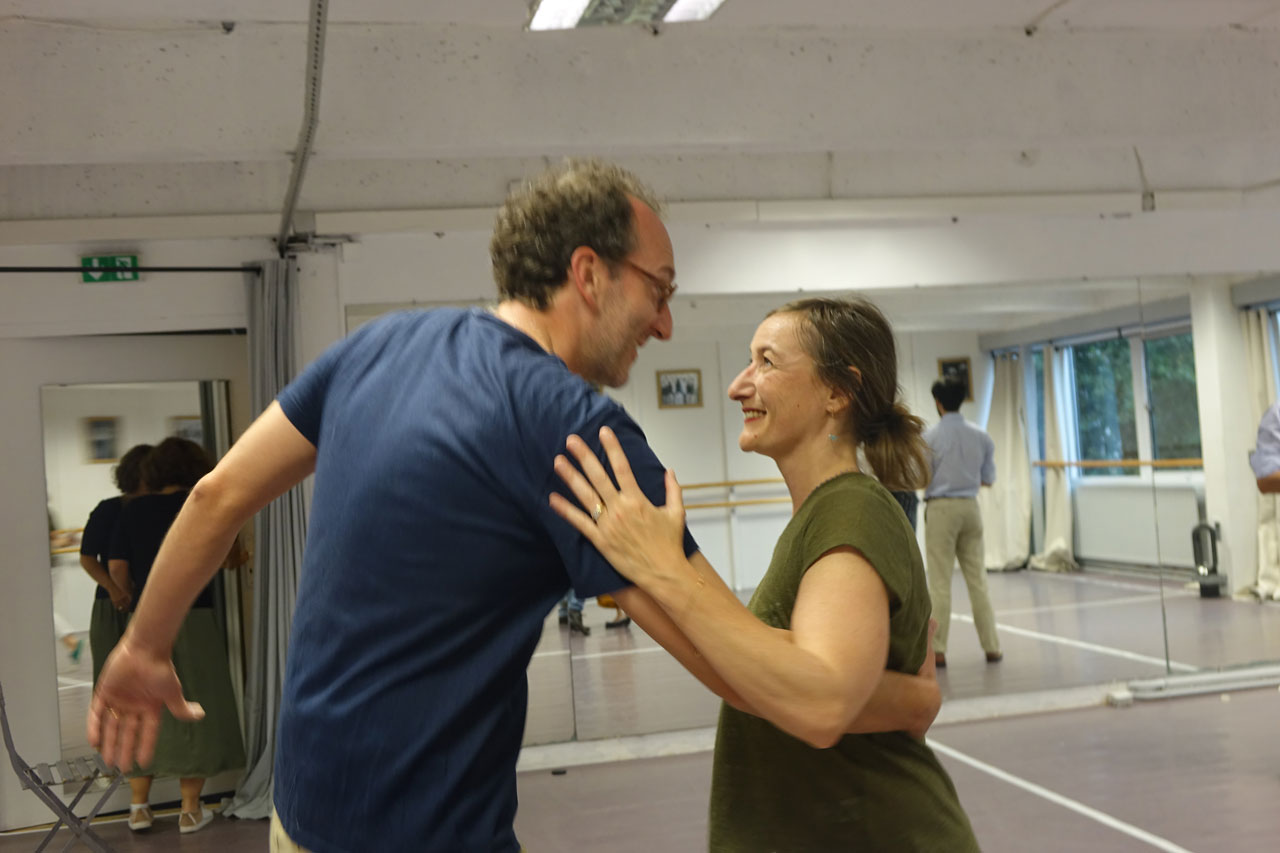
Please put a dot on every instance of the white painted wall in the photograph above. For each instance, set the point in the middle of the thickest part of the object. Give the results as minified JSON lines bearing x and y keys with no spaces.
{"x":75,"y":484}
{"x":54,"y":304}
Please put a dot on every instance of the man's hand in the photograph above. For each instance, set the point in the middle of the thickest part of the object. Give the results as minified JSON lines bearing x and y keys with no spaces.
{"x":928,"y":671}
{"x":134,"y":688}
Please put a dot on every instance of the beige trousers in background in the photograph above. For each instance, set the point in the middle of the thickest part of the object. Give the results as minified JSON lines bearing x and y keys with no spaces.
{"x":953,"y":529}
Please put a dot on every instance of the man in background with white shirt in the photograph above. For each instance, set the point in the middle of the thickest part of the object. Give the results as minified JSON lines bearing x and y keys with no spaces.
{"x":963,"y":461}
{"x":1265,"y":459}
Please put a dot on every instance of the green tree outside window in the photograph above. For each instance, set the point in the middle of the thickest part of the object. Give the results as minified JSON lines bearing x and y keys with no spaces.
{"x":1105,"y":425}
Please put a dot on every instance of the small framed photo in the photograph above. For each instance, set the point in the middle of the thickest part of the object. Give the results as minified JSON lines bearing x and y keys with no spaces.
{"x":957,"y":368}
{"x":101,"y":436}
{"x":190,"y":427}
{"x":679,"y":389}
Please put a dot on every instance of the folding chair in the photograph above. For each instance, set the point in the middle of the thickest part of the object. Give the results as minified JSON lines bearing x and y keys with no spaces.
{"x":39,"y":779}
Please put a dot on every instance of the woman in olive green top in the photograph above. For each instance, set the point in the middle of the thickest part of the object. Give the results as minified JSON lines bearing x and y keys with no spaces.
{"x":845,"y":597}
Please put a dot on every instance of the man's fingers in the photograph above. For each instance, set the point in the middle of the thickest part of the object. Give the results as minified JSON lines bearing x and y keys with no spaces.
{"x":128,"y":726}
{"x":93,"y":722}
{"x":188,"y":712}
{"x":147,"y":739}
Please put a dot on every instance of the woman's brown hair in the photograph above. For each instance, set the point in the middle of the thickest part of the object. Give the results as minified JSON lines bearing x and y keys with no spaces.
{"x":839,"y":334}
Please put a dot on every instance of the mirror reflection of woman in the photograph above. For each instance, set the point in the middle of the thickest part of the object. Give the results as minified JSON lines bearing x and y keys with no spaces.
{"x":111,"y":602}
{"x":192,"y":751}
{"x":845,"y":596}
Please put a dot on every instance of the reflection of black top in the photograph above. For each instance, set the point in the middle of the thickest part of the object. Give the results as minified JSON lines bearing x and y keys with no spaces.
{"x":143,"y":523}
{"x":96,"y":540}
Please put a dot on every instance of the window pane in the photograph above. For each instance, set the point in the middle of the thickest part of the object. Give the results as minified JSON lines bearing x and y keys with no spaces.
{"x":1171,"y":380}
{"x":1037,"y":367}
{"x":1105,"y":424}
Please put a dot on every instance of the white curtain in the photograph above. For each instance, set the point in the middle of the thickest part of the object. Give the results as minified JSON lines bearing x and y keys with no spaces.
{"x":1006,"y":506}
{"x":279,"y":534}
{"x":1261,"y":358}
{"x":1059,"y":550}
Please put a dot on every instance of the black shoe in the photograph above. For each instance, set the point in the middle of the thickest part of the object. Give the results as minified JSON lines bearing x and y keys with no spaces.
{"x":575,"y":623}
{"x":564,"y":618}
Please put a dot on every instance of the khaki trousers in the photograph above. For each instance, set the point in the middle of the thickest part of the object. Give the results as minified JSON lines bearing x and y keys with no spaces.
{"x":280,"y":840}
{"x":953,"y":529}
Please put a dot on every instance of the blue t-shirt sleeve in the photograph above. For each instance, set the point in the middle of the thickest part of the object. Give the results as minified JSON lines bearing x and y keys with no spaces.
{"x":303,"y":399}
{"x":589,"y":573}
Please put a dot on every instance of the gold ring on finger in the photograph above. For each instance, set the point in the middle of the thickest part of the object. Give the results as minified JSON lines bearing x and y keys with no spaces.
{"x":597,"y":512}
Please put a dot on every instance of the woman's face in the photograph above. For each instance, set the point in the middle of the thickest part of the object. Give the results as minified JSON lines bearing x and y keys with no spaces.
{"x":783,"y":402}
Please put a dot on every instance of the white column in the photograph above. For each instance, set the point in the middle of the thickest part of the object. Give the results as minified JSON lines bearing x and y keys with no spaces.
{"x":321,"y":317}
{"x":1226,"y":430}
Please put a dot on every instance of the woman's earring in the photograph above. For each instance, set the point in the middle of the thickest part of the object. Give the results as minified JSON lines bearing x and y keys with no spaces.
{"x":831,"y":436}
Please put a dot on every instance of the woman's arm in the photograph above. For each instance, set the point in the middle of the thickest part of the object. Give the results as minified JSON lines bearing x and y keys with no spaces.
{"x":899,"y":702}
{"x":120,"y":597}
{"x":812,"y":681}
{"x":119,"y":574}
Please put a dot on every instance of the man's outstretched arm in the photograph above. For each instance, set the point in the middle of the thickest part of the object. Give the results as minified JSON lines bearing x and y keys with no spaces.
{"x":138,"y":680}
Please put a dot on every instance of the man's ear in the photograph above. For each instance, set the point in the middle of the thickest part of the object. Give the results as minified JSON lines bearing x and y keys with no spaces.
{"x":588,"y":274}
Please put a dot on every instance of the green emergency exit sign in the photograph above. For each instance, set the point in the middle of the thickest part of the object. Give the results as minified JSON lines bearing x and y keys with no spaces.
{"x":109,"y":268}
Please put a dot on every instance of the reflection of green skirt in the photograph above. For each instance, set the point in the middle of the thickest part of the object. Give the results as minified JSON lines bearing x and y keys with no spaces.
{"x":212,"y":745}
{"x":106,"y":625}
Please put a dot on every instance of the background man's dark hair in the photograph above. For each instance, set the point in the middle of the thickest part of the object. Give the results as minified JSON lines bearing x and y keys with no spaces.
{"x":950,"y":393}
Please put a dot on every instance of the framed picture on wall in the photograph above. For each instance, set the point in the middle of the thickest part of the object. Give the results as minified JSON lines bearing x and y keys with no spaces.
{"x":101,"y":436}
{"x":679,"y":389}
{"x":190,"y":427}
{"x":957,"y":368}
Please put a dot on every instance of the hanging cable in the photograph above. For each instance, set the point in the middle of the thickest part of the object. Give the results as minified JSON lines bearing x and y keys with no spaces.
{"x":310,"y":118}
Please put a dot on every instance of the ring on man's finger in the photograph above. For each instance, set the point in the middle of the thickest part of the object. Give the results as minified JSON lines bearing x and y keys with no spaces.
{"x":597,"y":512}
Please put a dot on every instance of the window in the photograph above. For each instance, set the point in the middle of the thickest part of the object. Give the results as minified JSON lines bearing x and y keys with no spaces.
{"x":1037,"y":368}
{"x":1105,"y":423}
{"x":1171,"y":384}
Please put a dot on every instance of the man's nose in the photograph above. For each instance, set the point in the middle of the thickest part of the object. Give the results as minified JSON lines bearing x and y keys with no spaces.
{"x":663,"y":325}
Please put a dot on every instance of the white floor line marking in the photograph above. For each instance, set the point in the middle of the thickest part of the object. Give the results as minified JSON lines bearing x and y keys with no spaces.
{"x":1058,"y":799}
{"x":1080,"y":644}
{"x":640,"y":651}
{"x":551,"y":654}
{"x":1076,"y":578}
{"x":1133,"y":599}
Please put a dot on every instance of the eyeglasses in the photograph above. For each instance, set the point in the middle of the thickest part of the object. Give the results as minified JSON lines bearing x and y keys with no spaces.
{"x":664,"y":289}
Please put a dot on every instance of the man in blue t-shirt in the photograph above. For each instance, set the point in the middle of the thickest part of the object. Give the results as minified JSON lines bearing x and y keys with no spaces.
{"x":433,"y":555}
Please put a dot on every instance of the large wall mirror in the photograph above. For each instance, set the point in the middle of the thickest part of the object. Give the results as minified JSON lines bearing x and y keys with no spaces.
{"x":1093,"y":393}
{"x":88,"y":429}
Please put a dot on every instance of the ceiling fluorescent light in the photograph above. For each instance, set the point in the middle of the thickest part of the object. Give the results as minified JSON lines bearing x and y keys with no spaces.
{"x":558,"y":14}
{"x":692,"y":10}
